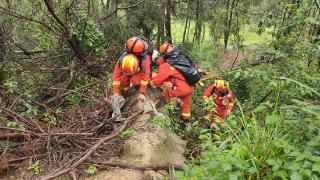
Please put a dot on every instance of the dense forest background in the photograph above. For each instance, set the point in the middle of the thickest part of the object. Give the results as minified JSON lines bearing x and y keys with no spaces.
{"x":58,"y":55}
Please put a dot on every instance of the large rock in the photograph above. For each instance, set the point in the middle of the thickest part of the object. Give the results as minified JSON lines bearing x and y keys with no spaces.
{"x":155,"y":146}
{"x":151,"y":144}
{"x":118,"y":174}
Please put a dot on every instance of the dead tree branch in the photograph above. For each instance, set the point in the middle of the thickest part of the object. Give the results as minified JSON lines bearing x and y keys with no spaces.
{"x":139,"y":168}
{"x":95,"y":147}
{"x":118,"y":8}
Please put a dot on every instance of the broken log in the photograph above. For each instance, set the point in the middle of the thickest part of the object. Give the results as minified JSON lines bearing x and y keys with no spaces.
{"x":14,"y":135}
{"x":139,"y":168}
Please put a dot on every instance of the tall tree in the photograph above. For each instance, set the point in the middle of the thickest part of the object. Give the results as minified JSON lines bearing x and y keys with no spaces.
{"x":198,"y":27}
{"x":168,"y":21}
{"x":3,"y":48}
{"x":160,"y":36}
{"x":230,"y":4}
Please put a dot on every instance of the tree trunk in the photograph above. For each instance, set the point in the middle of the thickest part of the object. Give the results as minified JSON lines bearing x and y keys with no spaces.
{"x":228,"y":23}
{"x":160,"y":37}
{"x":3,"y":44}
{"x":188,"y":31}
{"x":168,"y":21}
{"x":203,"y":31}
{"x":198,"y":28}
{"x":116,"y":7}
{"x":185,"y":29}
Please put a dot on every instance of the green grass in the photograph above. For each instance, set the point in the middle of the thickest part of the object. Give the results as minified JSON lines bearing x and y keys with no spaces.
{"x":249,"y":33}
{"x":252,"y":38}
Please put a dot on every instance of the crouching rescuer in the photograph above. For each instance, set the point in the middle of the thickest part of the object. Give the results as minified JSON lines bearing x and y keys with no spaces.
{"x":223,"y":99}
{"x":176,"y":82}
{"x":132,"y":68}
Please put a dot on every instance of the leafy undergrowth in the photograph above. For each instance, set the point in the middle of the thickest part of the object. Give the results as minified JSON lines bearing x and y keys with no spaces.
{"x":274,"y":129}
{"x":278,"y":138}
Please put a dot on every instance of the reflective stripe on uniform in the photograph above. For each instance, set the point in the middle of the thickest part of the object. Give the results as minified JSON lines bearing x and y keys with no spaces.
{"x":172,"y":68}
{"x":115,"y":83}
{"x":186,"y":114}
{"x":144,"y":82}
{"x":125,"y":88}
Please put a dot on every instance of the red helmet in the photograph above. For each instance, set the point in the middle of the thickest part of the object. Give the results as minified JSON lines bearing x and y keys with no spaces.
{"x":137,"y":46}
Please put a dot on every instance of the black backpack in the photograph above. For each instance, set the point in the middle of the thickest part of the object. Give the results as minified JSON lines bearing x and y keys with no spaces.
{"x":182,"y":63}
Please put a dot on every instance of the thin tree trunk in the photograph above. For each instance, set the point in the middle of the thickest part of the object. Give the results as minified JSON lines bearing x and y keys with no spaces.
{"x":73,"y":42}
{"x":160,"y":37}
{"x":228,"y":23}
{"x":168,"y":21}
{"x":198,"y":27}
{"x":3,"y":49}
{"x":185,"y":29}
{"x":188,"y":31}
{"x":203,"y":31}
{"x":116,"y":7}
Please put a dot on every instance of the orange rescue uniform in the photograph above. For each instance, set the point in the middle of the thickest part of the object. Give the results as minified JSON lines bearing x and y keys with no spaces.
{"x":140,"y":78}
{"x":223,"y":103}
{"x":180,"y":88}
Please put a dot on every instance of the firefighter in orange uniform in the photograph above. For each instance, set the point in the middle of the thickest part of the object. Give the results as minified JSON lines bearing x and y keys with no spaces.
{"x":173,"y":82}
{"x":222,"y":97}
{"x":133,"y":67}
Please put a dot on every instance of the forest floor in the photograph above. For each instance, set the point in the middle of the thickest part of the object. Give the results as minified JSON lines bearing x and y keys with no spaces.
{"x":228,"y":58}
{"x":225,"y":61}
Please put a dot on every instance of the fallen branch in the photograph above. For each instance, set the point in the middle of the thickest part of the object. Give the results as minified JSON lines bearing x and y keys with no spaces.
{"x":139,"y":168}
{"x":95,"y":147}
{"x":70,"y":91}
{"x":19,"y":130}
{"x":118,"y":8}
{"x":29,"y":52}
{"x":13,"y":135}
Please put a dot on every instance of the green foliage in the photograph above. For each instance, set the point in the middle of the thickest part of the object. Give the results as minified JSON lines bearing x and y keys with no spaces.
{"x":91,"y":170}
{"x":89,"y":36}
{"x":30,"y":109}
{"x":12,"y":124}
{"x":51,"y":119}
{"x":205,"y":54}
{"x":35,"y":167}
{"x":272,"y":133}
{"x":73,"y":99}
{"x":127,"y":133}
{"x":11,"y":85}
{"x":161,"y":121}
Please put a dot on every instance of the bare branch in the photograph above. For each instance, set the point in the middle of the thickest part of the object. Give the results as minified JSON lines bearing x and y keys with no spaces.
{"x":114,"y":11}
{"x":8,"y":12}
